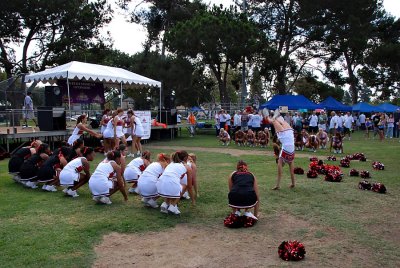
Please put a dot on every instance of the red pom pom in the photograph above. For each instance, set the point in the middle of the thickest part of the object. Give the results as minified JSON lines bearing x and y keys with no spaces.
{"x":331,"y":158}
{"x":364,"y":185}
{"x":378,"y":165}
{"x":345,"y":162}
{"x":365,"y":174}
{"x":313,"y":159}
{"x":354,"y":173}
{"x":378,"y":188}
{"x":248,"y":221}
{"x":335,"y":176}
{"x":299,"y":171}
{"x":291,"y":251}
{"x":233,"y":221}
{"x":312,"y":174}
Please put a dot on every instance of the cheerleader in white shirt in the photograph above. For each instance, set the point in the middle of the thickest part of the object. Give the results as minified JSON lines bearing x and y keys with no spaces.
{"x":192,"y":164}
{"x":148,"y":180}
{"x":80,"y":128}
{"x":104,"y":119}
{"x":118,"y":130}
{"x":108,"y":134}
{"x":134,"y":169}
{"x":169,"y":185}
{"x":138,"y":133}
{"x":71,"y":176}
{"x":107,"y":179}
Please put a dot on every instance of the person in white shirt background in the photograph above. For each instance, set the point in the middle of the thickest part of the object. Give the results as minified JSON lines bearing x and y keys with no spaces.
{"x":28,"y":109}
{"x":361,"y":118}
{"x":348,"y":123}
{"x":333,"y":124}
{"x":340,"y":123}
{"x":236,"y":120}
{"x":228,"y":123}
{"x":256,"y":122}
{"x":313,"y":126}
{"x":322,"y":119}
{"x":178,"y":118}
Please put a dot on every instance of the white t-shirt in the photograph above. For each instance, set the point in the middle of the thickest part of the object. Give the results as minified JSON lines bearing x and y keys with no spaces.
{"x":313,"y":120}
{"x":222,"y":118}
{"x":228,"y":119}
{"x":362,"y":118}
{"x":334,"y":122}
{"x":256,"y":120}
{"x":340,"y":121}
{"x":236,"y":120}
{"x":179,"y":118}
{"x":28,"y":103}
{"x":348,"y":121}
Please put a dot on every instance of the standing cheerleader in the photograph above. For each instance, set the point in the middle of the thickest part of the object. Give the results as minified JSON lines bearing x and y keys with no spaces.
{"x":80,"y":128}
{"x":138,"y":133}
{"x":22,"y":154}
{"x":119,"y":125}
{"x":104,"y":119}
{"x":109,"y":134}
{"x":169,"y":185}
{"x":30,"y":167}
{"x":243,"y":191}
{"x":107,"y":179}
{"x":147,"y":183}
{"x":128,"y":129}
{"x":71,"y":176}
{"x":134,"y":169}
{"x":49,"y":172}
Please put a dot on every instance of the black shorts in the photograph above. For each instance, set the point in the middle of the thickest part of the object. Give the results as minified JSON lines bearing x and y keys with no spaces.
{"x":28,"y":171}
{"x":346,"y":130}
{"x":242,"y":199}
{"x":15,"y":163}
{"x":45,"y":174}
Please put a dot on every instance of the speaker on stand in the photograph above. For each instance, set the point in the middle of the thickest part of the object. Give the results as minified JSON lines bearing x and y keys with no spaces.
{"x":53,"y":96}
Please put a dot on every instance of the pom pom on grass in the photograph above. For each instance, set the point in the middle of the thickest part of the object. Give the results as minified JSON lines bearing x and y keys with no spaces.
{"x":291,"y":251}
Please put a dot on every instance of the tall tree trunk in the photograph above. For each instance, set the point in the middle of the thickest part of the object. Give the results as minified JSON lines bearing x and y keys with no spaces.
{"x":280,"y":81}
{"x":352,"y":79}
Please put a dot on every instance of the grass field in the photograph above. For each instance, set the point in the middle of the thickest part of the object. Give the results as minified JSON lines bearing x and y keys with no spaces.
{"x":49,"y":230}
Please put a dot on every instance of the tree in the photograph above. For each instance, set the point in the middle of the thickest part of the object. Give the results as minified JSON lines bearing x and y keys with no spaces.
{"x":351,"y":29}
{"x":316,"y":90}
{"x":219,"y":38}
{"x":256,"y":86}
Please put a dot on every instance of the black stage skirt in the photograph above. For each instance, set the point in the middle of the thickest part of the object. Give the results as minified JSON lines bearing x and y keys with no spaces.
{"x":242,"y":199}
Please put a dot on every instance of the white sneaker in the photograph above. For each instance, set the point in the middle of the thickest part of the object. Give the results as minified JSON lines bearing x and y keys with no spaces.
{"x":72,"y":193}
{"x":237,"y":213}
{"x":132,"y":190}
{"x":186,"y":195}
{"x":49,"y":188}
{"x":105,"y":200}
{"x":151,"y":203}
{"x":65,"y":190}
{"x":31,"y":184}
{"x":250,"y":215}
{"x":96,"y":199}
{"x":164,"y":208}
{"x":174,"y":210}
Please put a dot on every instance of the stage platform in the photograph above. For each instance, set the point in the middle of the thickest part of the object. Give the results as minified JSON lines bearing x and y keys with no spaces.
{"x":10,"y":135}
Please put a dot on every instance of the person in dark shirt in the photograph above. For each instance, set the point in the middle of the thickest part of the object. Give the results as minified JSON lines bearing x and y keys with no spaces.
{"x":243,"y":191}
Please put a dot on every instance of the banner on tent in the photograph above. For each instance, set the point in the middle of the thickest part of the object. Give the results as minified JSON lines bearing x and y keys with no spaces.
{"x":82,"y":91}
{"x":145,"y":118}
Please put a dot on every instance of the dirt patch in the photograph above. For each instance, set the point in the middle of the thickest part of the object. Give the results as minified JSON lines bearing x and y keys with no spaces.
{"x":231,"y":151}
{"x":217,"y":246}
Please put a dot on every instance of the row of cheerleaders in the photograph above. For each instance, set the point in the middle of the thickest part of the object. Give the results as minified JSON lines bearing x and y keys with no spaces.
{"x":170,"y":177}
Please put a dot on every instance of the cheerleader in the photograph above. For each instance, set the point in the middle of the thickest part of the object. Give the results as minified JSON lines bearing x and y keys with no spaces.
{"x":312,"y":143}
{"x":250,"y":138}
{"x":138,"y":133}
{"x":243,"y":191}
{"x":224,"y":137}
{"x":134,"y":169}
{"x":109,"y":134}
{"x":22,"y":154}
{"x":192,"y":164}
{"x":240,"y":137}
{"x":323,"y":138}
{"x":299,"y":142}
{"x":50,"y":170}
{"x":119,"y":125}
{"x":169,"y":184}
{"x":262,"y":138}
{"x":71,"y":177}
{"x":104,"y":119}
{"x":30,"y":167}
{"x":128,"y":130}
{"x":75,"y":150}
{"x":337,"y":143}
{"x":285,"y":135}
{"x":148,"y":180}
{"x":305,"y":136}
{"x":80,"y":128}
{"x":107,"y":179}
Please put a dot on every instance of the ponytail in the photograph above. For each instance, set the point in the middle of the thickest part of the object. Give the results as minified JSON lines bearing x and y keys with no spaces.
{"x":86,"y":151}
{"x":113,"y":155}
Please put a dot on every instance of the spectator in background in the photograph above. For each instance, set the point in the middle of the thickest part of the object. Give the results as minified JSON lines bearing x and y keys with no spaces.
{"x":297,"y":122}
{"x":361,"y":118}
{"x":192,"y":124}
{"x":348,"y":123}
{"x":256,"y":119}
{"x":288,"y":118}
{"x":178,"y":118}
{"x":222,"y":119}
{"x":333,"y":124}
{"x":228,"y":123}
{"x":375,"y":122}
{"x":322,"y":120}
{"x":244,"y":119}
{"x":236,"y":120}
{"x":28,"y":109}
{"x":216,"y":121}
{"x":390,"y":126}
{"x":313,"y":127}
{"x":340,"y":123}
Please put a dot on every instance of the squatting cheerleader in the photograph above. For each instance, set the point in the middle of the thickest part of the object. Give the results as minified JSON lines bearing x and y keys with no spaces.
{"x":30,"y":167}
{"x":134,"y":169}
{"x":18,"y":158}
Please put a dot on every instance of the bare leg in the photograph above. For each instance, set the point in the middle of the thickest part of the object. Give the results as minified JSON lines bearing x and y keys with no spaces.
{"x":82,"y":181}
{"x":291,"y":168}
{"x":278,"y":180}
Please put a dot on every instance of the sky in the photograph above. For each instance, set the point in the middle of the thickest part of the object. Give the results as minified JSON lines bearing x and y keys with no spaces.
{"x":129,"y":37}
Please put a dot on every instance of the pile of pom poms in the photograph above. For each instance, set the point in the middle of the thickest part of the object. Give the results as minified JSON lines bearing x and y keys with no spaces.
{"x":354,"y":173}
{"x":345,"y":162}
{"x":312,"y":174}
{"x":291,"y":251}
{"x":375,"y":187}
{"x":331,"y":158}
{"x":299,"y":171}
{"x":378,"y":165}
{"x":365,"y":174}
{"x":313,"y":159}
{"x":359,"y":156}
{"x":236,"y":221}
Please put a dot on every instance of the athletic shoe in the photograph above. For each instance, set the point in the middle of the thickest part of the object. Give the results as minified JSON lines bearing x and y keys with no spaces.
{"x":132,"y":190}
{"x":72,"y":193}
{"x":174,"y":210}
{"x":152,"y":203}
{"x":49,"y":188}
{"x":105,"y":200}
{"x":65,"y":190}
{"x":186,"y":195}
{"x":96,"y":199}
{"x":31,"y":184}
{"x":250,"y":215}
{"x":237,"y":213}
{"x":164,"y":208}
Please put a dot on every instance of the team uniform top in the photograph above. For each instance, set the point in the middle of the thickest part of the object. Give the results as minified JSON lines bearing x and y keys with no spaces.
{"x":29,"y":168}
{"x":48,"y":170}
{"x":169,"y":183}
{"x":242,"y":194}
{"x":109,"y":130}
{"x":134,"y":169}
{"x":137,"y":164}
{"x":71,"y":171}
{"x":100,"y":182}
{"x":105,"y":119}
{"x":148,"y":180}
{"x":76,"y":134}
{"x":18,"y":159}
{"x":139,"y":131}
{"x":127,"y":126}
{"x":119,"y":126}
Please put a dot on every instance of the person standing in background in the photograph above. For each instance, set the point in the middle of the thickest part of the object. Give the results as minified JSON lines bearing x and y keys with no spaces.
{"x":28,"y":109}
{"x":192,"y":122}
{"x":361,"y":118}
{"x":390,"y":126}
{"x":313,"y":126}
{"x":222,"y":119}
{"x":322,"y":119}
{"x":228,"y":123}
{"x":236,"y":120}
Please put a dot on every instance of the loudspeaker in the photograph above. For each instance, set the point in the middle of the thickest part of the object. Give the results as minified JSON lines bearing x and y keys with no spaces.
{"x":50,"y":118}
{"x":53,"y":96}
{"x":167,"y":117}
{"x":169,"y":102}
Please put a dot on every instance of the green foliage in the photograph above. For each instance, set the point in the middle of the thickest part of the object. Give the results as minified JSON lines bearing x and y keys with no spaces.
{"x":316,"y":90}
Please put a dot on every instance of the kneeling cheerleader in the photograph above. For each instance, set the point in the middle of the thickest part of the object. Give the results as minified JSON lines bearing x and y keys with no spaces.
{"x":149,"y":178}
{"x":134,"y":169}
{"x":29,"y":169}
{"x":107,"y":179}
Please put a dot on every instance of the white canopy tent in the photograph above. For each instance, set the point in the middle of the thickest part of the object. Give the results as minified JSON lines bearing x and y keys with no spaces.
{"x":76,"y":70}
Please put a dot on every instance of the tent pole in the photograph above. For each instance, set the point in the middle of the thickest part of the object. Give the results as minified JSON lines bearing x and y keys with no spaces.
{"x":121,"y":94}
{"x":69,"y":99}
{"x":159,"y":117}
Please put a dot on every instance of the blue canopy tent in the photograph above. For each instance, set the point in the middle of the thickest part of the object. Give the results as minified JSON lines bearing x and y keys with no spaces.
{"x":389,"y":108}
{"x":332,"y":104}
{"x":195,"y":109}
{"x":366,"y":108}
{"x":294,"y":102}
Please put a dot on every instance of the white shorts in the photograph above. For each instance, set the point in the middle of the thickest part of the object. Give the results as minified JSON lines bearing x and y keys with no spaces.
{"x":119,"y":132}
{"x":108,"y":133}
{"x":131,"y":174}
{"x":323,"y":126}
{"x":68,"y":178}
{"x":139,"y":132}
{"x":169,"y":187}
{"x":147,"y":188}
{"x":100,"y":187}
{"x":72,"y":139}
